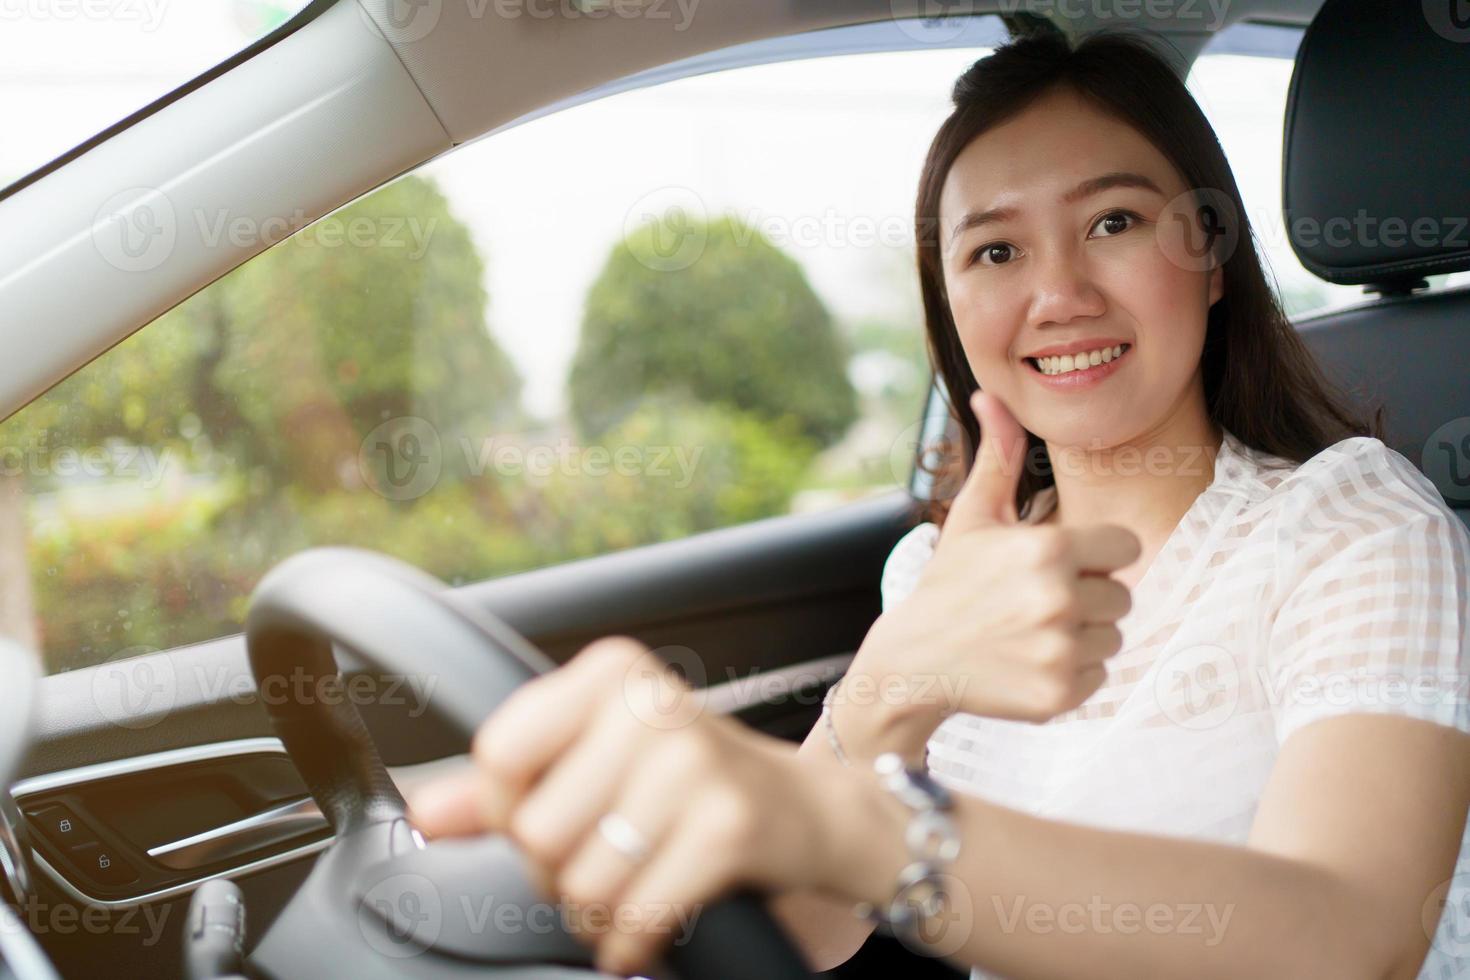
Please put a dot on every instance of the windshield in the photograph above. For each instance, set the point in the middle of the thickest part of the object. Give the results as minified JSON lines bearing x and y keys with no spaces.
{"x":69,"y":69}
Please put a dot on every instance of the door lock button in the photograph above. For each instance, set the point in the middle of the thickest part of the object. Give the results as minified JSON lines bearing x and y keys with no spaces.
{"x":60,"y":826}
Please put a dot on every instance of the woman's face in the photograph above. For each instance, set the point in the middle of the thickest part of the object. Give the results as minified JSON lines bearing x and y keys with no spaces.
{"x":1050,"y":254}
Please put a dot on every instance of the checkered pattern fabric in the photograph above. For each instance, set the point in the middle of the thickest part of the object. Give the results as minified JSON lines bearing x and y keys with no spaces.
{"x":1286,"y":594}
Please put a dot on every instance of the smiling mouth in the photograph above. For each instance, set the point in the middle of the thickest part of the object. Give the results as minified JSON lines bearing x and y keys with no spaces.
{"x":1035,"y":366}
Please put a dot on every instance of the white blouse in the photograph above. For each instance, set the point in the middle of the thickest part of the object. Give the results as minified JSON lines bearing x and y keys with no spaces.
{"x":1286,"y":593}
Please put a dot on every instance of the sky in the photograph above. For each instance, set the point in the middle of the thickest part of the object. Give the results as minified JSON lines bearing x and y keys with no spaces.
{"x":822,"y":156}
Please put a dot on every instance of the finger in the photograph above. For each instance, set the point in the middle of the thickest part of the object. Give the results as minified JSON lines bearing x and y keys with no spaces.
{"x":1102,"y":599}
{"x":447,"y":807}
{"x":598,"y":873}
{"x":563,"y":808}
{"x":1089,"y":680}
{"x":666,"y":898}
{"x":1097,"y":643}
{"x":988,"y":495}
{"x":537,"y":723}
{"x":1102,"y":547}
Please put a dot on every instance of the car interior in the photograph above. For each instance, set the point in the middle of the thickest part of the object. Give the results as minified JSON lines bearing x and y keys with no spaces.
{"x":213,"y":832}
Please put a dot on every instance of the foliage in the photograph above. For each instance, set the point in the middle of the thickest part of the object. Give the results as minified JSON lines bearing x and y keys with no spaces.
{"x":739,"y":326}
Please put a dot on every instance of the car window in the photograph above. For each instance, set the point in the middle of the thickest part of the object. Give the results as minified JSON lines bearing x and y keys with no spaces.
{"x":1241,"y":81}
{"x":69,"y":69}
{"x":673,"y":309}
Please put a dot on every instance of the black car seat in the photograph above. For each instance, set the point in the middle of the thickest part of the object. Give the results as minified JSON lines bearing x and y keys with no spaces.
{"x":1376,"y":191}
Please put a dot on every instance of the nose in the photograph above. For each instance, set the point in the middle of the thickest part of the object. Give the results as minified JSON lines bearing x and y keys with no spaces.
{"x":1062,"y":290}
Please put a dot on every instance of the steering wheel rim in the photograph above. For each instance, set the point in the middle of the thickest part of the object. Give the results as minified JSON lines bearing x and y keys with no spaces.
{"x":401,"y":621}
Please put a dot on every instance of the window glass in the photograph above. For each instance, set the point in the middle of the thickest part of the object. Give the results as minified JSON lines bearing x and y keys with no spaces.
{"x":71,"y":68}
{"x":1241,"y":81}
{"x":670,"y":310}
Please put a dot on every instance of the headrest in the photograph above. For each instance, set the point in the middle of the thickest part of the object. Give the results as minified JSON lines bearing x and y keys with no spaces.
{"x":1376,"y":176}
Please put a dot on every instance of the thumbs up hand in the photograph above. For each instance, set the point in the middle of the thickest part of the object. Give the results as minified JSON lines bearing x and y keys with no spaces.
{"x":1008,"y":620}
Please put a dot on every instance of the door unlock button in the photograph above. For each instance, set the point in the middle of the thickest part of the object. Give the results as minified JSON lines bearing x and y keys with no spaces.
{"x":102,"y":865}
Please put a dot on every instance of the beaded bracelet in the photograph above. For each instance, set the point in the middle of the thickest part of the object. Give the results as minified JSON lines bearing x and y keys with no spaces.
{"x":932,"y":841}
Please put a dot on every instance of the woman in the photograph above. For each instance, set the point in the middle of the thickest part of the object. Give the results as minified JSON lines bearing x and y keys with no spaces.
{"x":1272,"y":779}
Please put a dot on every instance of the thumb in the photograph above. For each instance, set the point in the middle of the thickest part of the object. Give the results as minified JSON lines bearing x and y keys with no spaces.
{"x":989,"y":492}
{"x":447,"y":806}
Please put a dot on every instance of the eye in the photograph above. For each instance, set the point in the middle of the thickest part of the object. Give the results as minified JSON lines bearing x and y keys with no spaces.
{"x":995,"y":253}
{"x":1116,"y":222}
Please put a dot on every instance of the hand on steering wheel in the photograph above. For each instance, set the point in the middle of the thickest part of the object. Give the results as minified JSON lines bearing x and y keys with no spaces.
{"x":634,"y":804}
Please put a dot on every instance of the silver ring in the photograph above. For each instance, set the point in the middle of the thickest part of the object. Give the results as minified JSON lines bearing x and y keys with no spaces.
{"x":624,"y":838}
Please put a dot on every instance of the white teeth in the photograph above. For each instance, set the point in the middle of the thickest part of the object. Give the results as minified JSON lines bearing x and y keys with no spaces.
{"x":1076,"y":362}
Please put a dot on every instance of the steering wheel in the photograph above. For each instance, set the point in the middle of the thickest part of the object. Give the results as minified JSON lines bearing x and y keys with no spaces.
{"x":379,"y":902}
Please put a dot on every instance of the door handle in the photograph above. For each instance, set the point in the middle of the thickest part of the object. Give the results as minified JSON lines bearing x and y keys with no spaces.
{"x":274,"y":826}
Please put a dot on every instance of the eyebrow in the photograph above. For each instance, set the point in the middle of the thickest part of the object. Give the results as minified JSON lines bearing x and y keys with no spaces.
{"x":1089,"y":187}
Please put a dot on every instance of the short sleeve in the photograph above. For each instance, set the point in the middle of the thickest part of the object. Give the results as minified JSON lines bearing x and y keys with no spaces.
{"x":1372,"y":601}
{"x":905,"y":562}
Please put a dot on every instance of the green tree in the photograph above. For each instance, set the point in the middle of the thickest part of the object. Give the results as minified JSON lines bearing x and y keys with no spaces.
{"x":739,"y":326}
{"x":262,"y":386}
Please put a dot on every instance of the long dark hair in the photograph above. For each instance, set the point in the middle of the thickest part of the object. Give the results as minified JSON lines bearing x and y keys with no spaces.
{"x":1261,"y":382}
